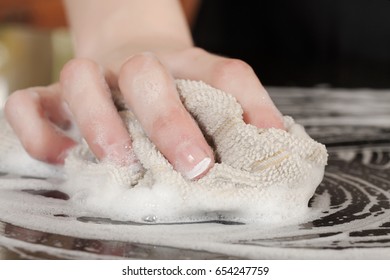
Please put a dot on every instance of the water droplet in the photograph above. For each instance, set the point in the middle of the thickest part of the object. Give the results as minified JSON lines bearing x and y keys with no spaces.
{"x":150,"y":219}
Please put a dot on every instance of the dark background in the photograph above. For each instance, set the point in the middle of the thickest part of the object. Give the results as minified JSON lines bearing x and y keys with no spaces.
{"x":340,"y":43}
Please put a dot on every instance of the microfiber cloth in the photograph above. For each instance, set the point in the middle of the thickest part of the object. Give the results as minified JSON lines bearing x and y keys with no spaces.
{"x":260,"y":174}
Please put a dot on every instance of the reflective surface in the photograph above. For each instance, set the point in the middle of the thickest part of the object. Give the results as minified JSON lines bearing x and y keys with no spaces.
{"x":349,"y":214}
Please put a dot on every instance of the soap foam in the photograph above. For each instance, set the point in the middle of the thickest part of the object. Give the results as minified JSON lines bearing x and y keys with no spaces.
{"x":265,"y":176}
{"x":303,"y":240}
{"x":109,"y":191}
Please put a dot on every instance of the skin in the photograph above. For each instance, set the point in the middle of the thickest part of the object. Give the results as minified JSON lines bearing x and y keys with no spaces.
{"x":138,"y":47}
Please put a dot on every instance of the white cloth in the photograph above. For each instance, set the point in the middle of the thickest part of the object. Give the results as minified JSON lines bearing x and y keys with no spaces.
{"x":259,"y":172}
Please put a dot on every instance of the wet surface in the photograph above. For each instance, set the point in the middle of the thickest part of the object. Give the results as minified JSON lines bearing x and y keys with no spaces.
{"x":350,"y":210}
{"x":97,"y":247}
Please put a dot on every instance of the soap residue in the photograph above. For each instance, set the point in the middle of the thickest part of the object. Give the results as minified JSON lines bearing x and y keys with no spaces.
{"x":348,"y":215}
{"x":259,"y":170}
{"x":262,"y":175}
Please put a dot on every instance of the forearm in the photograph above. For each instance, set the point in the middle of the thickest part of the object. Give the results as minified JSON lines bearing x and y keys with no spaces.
{"x":101,"y":26}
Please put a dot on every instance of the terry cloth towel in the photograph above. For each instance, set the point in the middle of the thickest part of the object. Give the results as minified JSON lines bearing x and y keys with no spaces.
{"x":264,"y":175}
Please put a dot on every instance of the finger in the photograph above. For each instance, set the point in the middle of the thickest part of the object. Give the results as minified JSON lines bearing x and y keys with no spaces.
{"x":91,"y":105}
{"x":38,"y":135}
{"x":150,"y":92}
{"x":55,"y":109}
{"x":232,"y":76}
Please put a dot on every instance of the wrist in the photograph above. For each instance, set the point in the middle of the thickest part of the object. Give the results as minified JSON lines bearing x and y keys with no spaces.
{"x":100,"y":26}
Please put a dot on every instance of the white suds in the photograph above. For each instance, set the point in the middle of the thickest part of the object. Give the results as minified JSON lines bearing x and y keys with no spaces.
{"x":259,"y":170}
{"x":351,"y":200}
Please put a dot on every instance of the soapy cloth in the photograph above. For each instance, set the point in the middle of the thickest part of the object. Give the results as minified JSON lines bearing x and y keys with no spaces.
{"x":260,"y":174}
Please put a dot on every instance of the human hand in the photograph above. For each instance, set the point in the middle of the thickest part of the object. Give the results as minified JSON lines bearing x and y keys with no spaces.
{"x":146,"y":81}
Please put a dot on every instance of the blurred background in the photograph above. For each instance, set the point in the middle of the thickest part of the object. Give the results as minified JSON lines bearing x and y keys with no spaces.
{"x":305,"y":43}
{"x":338,"y":43}
{"x":34,"y":44}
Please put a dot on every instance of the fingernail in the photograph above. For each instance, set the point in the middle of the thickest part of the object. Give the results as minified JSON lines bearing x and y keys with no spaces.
{"x":192,"y":161}
{"x":198,"y":168}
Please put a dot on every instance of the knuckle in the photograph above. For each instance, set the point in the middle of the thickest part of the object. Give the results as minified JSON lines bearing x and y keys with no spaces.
{"x":165,"y":123}
{"x":11,"y":105}
{"x":137,"y":63}
{"x":228,"y":69}
{"x":18,"y":100}
{"x":74,"y":77}
{"x":14,"y":99}
{"x":21,"y":96}
{"x":77,"y":66}
{"x":195,"y":52}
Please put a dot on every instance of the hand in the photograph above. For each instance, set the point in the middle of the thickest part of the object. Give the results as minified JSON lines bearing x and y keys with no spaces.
{"x":146,"y":81}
